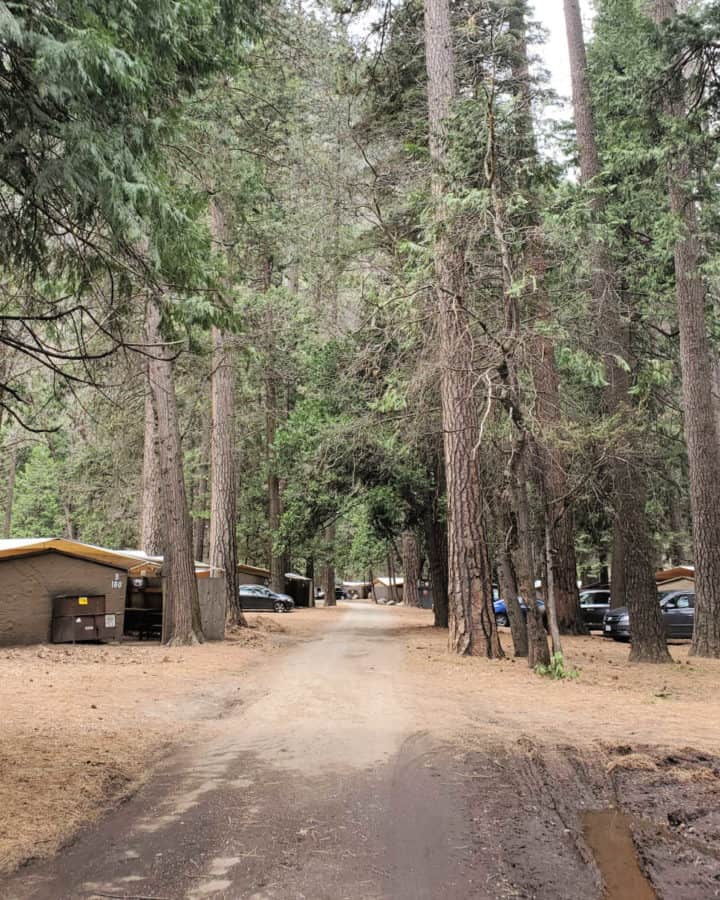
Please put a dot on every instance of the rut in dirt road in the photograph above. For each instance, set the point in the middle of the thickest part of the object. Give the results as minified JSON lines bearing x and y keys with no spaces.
{"x":331,"y":784}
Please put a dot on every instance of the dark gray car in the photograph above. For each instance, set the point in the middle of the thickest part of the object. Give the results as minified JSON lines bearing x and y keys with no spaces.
{"x":678,"y":612}
{"x":258,"y":597}
{"x":594,"y":603}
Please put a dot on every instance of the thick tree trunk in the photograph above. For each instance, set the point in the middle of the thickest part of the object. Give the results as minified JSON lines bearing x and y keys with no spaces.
{"x":436,"y":547}
{"x":538,"y":650}
{"x":628,"y":493}
{"x":552,"y":461}
{"x":328,"y":571}
{"x":639,"y":568}
{"x":181,"y":607}
{"x":471,"y":618}
{"x":618,"y":592}
{"x":200,"y":497}
{"x":151,"y":524}
{"x":223,"y":513}
{"x":507,"y":576}
{"x":541,"y":356}
{"x":223,"y":476}
{"x":411,"y":569}
{"x":701,"y":432}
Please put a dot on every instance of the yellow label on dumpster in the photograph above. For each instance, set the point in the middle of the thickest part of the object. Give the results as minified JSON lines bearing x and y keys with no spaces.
{"x":82,"y":601}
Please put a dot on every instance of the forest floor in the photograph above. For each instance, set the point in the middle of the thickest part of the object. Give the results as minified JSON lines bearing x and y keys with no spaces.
{"x":344,"y":754}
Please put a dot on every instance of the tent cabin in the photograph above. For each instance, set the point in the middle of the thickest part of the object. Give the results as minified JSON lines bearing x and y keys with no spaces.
{"x":299,"y":588}
{"x":116,"y":586}
{"x":144,"y":611}
{"x":33,"y":571}
{"x":388,"y":589}
{"x":357,"y":590}
{"x":678,"y":578}
{"x":253,"y":575}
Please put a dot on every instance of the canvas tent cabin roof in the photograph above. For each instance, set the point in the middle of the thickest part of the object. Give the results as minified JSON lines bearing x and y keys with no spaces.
{"x":34,"y":570}
{"x":677,"y":578}
{"x":18,"y":547}
{"x":299,"y":587}
{"x":388,"y":588}
{"x":252,"y":574}
{"x":131,"y":561}
{"x":358,"y":589}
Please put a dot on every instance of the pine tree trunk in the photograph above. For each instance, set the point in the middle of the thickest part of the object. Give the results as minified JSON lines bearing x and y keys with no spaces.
{"x":200,"y":528}
{"x":276,"y":554}
{"x":628,"y":493}
{"x":471,"y":617}
{"x":411,"y":569}
{"x":538,"y":650}
{"x":550,"y":584}
{"x":541,"y":355}
{"x":701,"y":432}
{"x":618,"y":592}
{"x":328,"y":571}
{"x":436,"y":547}
{"x":223,"y":503}
{"x":151,"y":524}
{"x":639,"y":574}
{"x":181,"y":607}
{"x":553,"y":462}
{"x":507,"y":575}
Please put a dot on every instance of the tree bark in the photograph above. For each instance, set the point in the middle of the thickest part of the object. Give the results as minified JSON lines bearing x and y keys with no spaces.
{"x":200,"y":529}
{"x":223,"y":503}
{"x":223,"y":475}
{"x":181,"y":607}
{"x":618,"y":592}
{"x":628,"y":492}
{"x":151,"y":524}
{"x":472,"y":627}
{"x":639,"y":576}
{"x":550,"y":584}
{"x":701,"y":431}
{"x":542,"y":357}
{"x":507,"y":576}
{"x":328,"y":571}
{"x":436,"y":547}
{"x":538,"y":650}
{"x":411,"y":569}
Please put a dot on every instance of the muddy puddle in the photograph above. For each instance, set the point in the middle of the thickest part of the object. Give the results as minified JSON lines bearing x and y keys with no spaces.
{"x":607,"y":833}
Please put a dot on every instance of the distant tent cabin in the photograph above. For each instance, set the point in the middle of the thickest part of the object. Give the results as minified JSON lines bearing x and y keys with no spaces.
{"x":299,"y":587}
{"x":111,"y":592}
{"x":358,"y":590}
{"x":388,"y":589}
{"x":678,"y":578}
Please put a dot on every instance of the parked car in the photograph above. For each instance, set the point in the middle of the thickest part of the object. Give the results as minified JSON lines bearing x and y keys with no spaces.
{"x":678,"y":612}
{"x":340,"y":593}
{"x":501,"y":613}
{"x":594,"y":603}
{"x":257,"y":597}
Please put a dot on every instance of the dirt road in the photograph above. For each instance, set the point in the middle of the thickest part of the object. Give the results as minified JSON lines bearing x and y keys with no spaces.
{"x":344,"y":775}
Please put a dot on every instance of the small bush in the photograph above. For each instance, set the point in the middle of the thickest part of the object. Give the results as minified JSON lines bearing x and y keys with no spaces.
{"x":556,"y":670}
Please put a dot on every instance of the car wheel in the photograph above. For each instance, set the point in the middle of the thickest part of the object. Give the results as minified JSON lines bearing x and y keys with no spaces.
{"x":502,"y":620}
{"x":279,"y":606}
